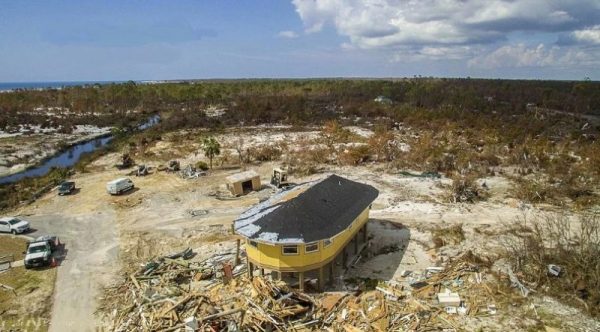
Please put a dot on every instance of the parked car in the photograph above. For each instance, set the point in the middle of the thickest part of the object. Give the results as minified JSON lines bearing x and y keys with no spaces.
{"x":39,"y":251}
{"x":13,"y":225}
{"x":66,"y":188}
{"x":119,"y":186}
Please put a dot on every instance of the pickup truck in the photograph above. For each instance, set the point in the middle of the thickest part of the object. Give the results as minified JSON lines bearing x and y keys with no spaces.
{"x":66,"y":188}
{"x":13,"y":225}
{"x":39,"y":251}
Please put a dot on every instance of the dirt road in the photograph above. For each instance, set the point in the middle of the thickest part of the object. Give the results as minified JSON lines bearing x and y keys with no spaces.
{"x":91,"y":250}
{"x":87,"y":226}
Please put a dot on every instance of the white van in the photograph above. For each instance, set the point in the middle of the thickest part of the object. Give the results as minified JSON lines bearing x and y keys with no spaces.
{"x":118,"y":186}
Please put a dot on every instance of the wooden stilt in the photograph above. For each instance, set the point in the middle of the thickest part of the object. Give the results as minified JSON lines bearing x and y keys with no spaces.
{"x":331,"y":272}
{"x":321,"y":279}
{"x":250,"y":269}
{"x":237,"y":252}
{"x":301,"y":281}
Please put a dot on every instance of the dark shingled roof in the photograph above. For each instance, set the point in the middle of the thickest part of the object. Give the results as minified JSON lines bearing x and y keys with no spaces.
{"x":322,"y":211}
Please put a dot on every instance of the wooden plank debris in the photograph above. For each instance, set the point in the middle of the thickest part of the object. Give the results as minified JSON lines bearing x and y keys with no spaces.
{"x":178,"y":293}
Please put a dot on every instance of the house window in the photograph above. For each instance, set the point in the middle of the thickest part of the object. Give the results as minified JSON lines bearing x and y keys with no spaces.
{"x":290,"y":250}
{"x":254,"y":244}
{"x":327,"y":242}
{"x":311,"y":247}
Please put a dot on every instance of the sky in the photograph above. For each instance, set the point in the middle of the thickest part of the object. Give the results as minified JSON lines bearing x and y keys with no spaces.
{"x":158,"y":40}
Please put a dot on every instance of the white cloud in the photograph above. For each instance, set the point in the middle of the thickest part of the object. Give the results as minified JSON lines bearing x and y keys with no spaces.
{"x":459,"y":52}
{"x":388,"y":23}
{"x":521,"y":55}
{"x":515,"y":56}
{"x":589,"y":35}
{"x":287,"y":34}
{"x":447,"y":28}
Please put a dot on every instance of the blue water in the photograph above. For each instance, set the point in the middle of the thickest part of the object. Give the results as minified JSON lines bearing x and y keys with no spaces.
{"x":67,"y":158}
{"x":71,"y":156}
{"x":47,"y":85}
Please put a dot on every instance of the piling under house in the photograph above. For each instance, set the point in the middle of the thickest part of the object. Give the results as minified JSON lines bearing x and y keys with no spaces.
{"x":306,"y":228}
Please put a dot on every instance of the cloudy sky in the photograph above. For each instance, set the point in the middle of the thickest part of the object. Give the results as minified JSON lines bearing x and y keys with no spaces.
{"x":144,"y":40}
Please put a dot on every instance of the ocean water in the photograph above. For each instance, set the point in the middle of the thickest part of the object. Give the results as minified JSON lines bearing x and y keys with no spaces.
{"x":7,"y":86}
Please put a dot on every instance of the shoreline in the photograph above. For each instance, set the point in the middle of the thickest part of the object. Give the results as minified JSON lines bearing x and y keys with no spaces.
{"x":59,"y":151}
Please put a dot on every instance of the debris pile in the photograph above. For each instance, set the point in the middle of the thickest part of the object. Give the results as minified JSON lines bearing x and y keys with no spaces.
{"x":190,"y":172}
{"x":176,"y":293}
{"x":173,"y":166}
{"x":434,"y":299}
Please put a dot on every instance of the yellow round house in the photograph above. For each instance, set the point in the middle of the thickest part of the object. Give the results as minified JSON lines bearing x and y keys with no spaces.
{"x":307,"y":227}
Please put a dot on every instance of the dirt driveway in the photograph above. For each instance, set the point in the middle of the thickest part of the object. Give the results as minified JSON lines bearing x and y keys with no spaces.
{"x":86,"y":224}
{"x":91,"y":249}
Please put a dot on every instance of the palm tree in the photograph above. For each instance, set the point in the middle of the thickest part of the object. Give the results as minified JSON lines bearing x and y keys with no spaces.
{"x":211,"y":148}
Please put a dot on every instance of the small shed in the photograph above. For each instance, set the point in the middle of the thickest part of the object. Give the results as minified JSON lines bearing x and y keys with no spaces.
{"x":243,"y":183}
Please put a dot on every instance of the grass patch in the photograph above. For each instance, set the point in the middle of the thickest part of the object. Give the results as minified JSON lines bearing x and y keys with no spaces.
{"x":28,"y":307}
{"x":12,"y":245}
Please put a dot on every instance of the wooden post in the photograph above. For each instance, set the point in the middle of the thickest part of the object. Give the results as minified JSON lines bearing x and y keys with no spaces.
{"x":365,"y":233}
{"x":249,"y":267}
{"x":278,"y":275}
{"x":261,"y":272}
{"x":321,"y":279}
{"x":237,"y":252}
{"x":227,"y":273}
{"x":301,"y":281}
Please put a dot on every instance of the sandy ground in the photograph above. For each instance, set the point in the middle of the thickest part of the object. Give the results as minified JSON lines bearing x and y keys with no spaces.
{"x":105,"y":233}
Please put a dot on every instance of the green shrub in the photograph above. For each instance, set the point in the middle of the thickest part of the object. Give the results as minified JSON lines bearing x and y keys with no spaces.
{"x":202,"y":166}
